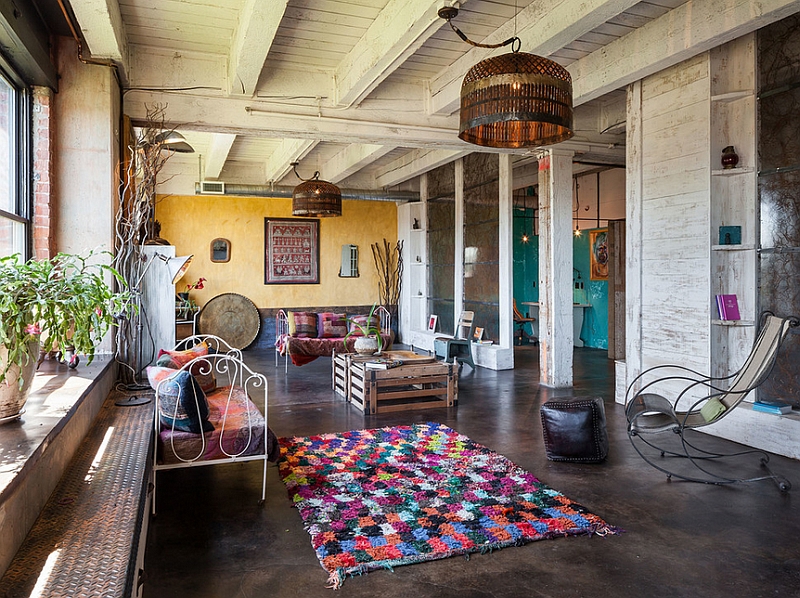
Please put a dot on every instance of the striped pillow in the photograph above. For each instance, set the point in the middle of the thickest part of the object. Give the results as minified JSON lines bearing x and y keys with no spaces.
{"x":302,"y":324}
{"x":332,"y":325}
{"x":362,"y":321}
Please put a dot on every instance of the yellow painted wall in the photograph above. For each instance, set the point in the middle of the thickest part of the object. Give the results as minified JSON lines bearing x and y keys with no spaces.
{"x":192,"y":222}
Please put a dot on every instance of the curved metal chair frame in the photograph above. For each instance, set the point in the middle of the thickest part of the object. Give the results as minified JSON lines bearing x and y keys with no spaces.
{"x":649,"y":413}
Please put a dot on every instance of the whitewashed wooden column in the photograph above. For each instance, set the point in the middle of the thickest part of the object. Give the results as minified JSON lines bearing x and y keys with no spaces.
{"x":555,"y":268}
{"x":633,"y":242}
{"x":458,"y":265}
{"x":506,"y":253}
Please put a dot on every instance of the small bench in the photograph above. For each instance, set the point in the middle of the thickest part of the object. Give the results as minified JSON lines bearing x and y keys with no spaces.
{"x":89,"y":538}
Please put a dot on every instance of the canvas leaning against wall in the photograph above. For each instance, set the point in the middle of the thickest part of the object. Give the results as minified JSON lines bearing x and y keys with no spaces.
{"x":291,"y":251}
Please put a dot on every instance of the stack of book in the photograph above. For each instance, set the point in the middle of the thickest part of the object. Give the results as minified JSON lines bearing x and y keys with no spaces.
{"x":383,"y":363}
{"x":728,"y":307}
{"x":772,"y":406}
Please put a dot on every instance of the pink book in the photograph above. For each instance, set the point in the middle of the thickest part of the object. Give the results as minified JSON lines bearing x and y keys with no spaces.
{"x":728,"y":307}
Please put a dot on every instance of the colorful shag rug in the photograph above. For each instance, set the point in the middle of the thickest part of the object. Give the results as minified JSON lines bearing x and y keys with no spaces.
{"x":380,"y":498}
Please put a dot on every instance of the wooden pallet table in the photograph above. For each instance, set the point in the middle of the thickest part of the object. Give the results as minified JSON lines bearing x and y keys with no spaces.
{"x":420,"y":383}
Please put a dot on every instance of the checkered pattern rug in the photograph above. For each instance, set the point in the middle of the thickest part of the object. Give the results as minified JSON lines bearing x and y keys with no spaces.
{"x":374,"y":499}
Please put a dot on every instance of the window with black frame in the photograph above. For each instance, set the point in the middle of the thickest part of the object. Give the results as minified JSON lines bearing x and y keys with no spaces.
{"x":14,"y":166}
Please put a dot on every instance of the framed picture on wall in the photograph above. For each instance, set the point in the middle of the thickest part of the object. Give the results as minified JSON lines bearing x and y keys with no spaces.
{"x":291,"y":251}
{"x":598,"y":254}
{"x":432,"y":320}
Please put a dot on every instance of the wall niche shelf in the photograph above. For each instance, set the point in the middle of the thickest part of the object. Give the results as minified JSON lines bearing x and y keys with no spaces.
{"x":732,"y":171}
{"x":732,"y":96}
{"x":734,"y":323}
{"x":740,"y":247}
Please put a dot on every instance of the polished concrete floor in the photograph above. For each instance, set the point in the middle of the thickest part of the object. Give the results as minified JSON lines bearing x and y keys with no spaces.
{"x":210,"y":539}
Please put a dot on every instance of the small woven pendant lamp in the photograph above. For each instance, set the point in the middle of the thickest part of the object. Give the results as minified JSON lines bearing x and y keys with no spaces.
{"x":513,"y":100}
{"x":314,"y":198}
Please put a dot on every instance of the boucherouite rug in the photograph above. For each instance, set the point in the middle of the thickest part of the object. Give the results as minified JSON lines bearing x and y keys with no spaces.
{"x":380,"y":498}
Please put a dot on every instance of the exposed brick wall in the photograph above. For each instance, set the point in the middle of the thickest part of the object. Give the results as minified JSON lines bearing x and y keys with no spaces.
{"x":43,"y":168}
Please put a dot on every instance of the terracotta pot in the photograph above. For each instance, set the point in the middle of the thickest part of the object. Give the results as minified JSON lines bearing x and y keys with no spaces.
{"x":366,"y":345}
{"x":12,"y":397}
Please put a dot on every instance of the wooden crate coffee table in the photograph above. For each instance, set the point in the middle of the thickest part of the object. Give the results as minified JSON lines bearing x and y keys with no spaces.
{"x":420,"y":383}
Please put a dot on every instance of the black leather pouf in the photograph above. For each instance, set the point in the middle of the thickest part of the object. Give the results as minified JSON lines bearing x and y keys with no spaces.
{"x":575,"y":430}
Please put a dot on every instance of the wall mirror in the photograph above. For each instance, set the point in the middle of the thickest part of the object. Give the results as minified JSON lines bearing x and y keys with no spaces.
{"x":220,"y":250}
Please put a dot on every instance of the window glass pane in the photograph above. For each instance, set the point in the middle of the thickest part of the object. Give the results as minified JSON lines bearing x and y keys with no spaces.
{"x":12,"y":237}
{"x":7,"y":138}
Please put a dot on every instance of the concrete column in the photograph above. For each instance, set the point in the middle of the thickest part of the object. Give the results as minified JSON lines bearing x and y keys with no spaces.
{"x":458,"y":265}
{"x":506,"y":253}
{"x":555,"y":268}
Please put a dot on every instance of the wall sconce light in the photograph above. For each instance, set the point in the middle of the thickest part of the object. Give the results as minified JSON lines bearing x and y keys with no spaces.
{"x":513,"y":100}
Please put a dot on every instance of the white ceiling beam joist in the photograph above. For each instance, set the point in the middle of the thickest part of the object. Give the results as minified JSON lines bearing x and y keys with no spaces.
{"x":258,"y":23}
{"x":352,"y":159}
{"x":218,"y":151}
{"x":686,"y":31}
{"x":415,"y":163}
{"x":241,"y":116}
{"x":543,"y":28}
{"x":398,"y":31}
{"x":279,"y":164}
{"x":102,"y":28}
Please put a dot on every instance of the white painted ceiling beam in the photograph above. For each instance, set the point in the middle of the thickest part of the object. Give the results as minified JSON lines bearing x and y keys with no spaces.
{"x":685,"y":31}
{"x":218,"y":151}
{"x":101,"y":24}
{"x":543,"y":28}
{"x":352,"y":159}
{"x":258,"y":22}
{"x":415,"y":163}
{"x":242,"y":116}
{"x":279,"y":164}
{"x":398,"y":31}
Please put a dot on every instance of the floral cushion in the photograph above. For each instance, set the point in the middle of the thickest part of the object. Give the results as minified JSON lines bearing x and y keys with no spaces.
{"x":331,"y":325}
{"x":362,"y":321}
{"x":202,"y":370}
{"x":182,"y":403}
{"x":302,"y":324}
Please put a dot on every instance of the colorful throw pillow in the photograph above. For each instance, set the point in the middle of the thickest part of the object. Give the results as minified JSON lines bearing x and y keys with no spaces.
{"x":182,"y":403}
{"x":302,"y":324}
{"x":331,"y":325}
{"x":202,"y":370}
{"x":364,"y":320}
{"x":181,"y":358}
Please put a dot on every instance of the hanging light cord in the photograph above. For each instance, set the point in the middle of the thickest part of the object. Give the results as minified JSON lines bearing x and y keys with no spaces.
{"x":313,"y":178}
{"x":448,"y":13}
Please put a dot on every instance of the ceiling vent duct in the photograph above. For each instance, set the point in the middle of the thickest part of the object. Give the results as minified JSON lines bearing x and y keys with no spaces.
{"x":276,"y":191}
{"x":212,"y":187}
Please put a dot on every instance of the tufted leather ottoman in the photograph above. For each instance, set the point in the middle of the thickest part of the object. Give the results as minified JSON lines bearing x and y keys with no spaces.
{"x":575,"y":429}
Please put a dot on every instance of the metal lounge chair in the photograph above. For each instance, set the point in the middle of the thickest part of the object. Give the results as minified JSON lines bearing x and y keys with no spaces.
{"x":650,"y":414}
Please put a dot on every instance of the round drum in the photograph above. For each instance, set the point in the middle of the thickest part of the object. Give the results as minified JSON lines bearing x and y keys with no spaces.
{"x":231,"y":317}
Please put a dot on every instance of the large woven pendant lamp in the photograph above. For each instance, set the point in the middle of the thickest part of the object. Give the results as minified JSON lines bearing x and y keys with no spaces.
{"x":314,"y":198}
{"x":513,"y":100}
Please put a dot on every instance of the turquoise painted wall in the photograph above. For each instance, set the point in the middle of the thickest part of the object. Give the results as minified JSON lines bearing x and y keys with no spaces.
{"x":526,"y":279}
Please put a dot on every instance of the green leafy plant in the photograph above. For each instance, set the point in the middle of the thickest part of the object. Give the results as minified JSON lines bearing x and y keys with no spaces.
{"x":64,"y":300}
{"x":371,"y":328}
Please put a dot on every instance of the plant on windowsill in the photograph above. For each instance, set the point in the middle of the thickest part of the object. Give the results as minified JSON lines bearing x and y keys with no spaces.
{"x":369,"y":341}
{"x":64,"y":302}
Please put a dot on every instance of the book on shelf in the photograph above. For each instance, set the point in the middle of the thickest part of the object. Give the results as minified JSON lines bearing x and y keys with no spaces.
{"x":383,"y":363}
{"x":772,"y":406}
{"x":484,"y":341}
{"x":728,"y":307}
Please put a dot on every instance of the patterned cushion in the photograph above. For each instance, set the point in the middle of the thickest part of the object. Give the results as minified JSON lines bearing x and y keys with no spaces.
{"x":181,"y":402}
{"x":181,"y":358}
{"x":331,"y":325}
{"x":362,"y":321}
{"x":302,"y":324}
{"x":202,"y":370}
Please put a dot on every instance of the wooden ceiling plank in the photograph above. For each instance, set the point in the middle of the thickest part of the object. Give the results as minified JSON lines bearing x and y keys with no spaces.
{"x":279,"y":164}
{"x":352,"y":159}
{"x":414,"y":163}
{"x":103,"y":29}
{"x":258,"y":23}
{"x":543,"y":29}
{"x":218,"y":152}
{"x":398,"y":31}
{"x":686,"y":31}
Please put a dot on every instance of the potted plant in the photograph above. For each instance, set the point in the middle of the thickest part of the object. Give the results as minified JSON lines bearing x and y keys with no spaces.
{"x":64,"y":302}
{"x":369,"y":341}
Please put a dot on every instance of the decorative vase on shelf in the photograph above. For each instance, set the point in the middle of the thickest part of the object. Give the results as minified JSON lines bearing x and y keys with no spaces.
{"x":729,"y":158}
